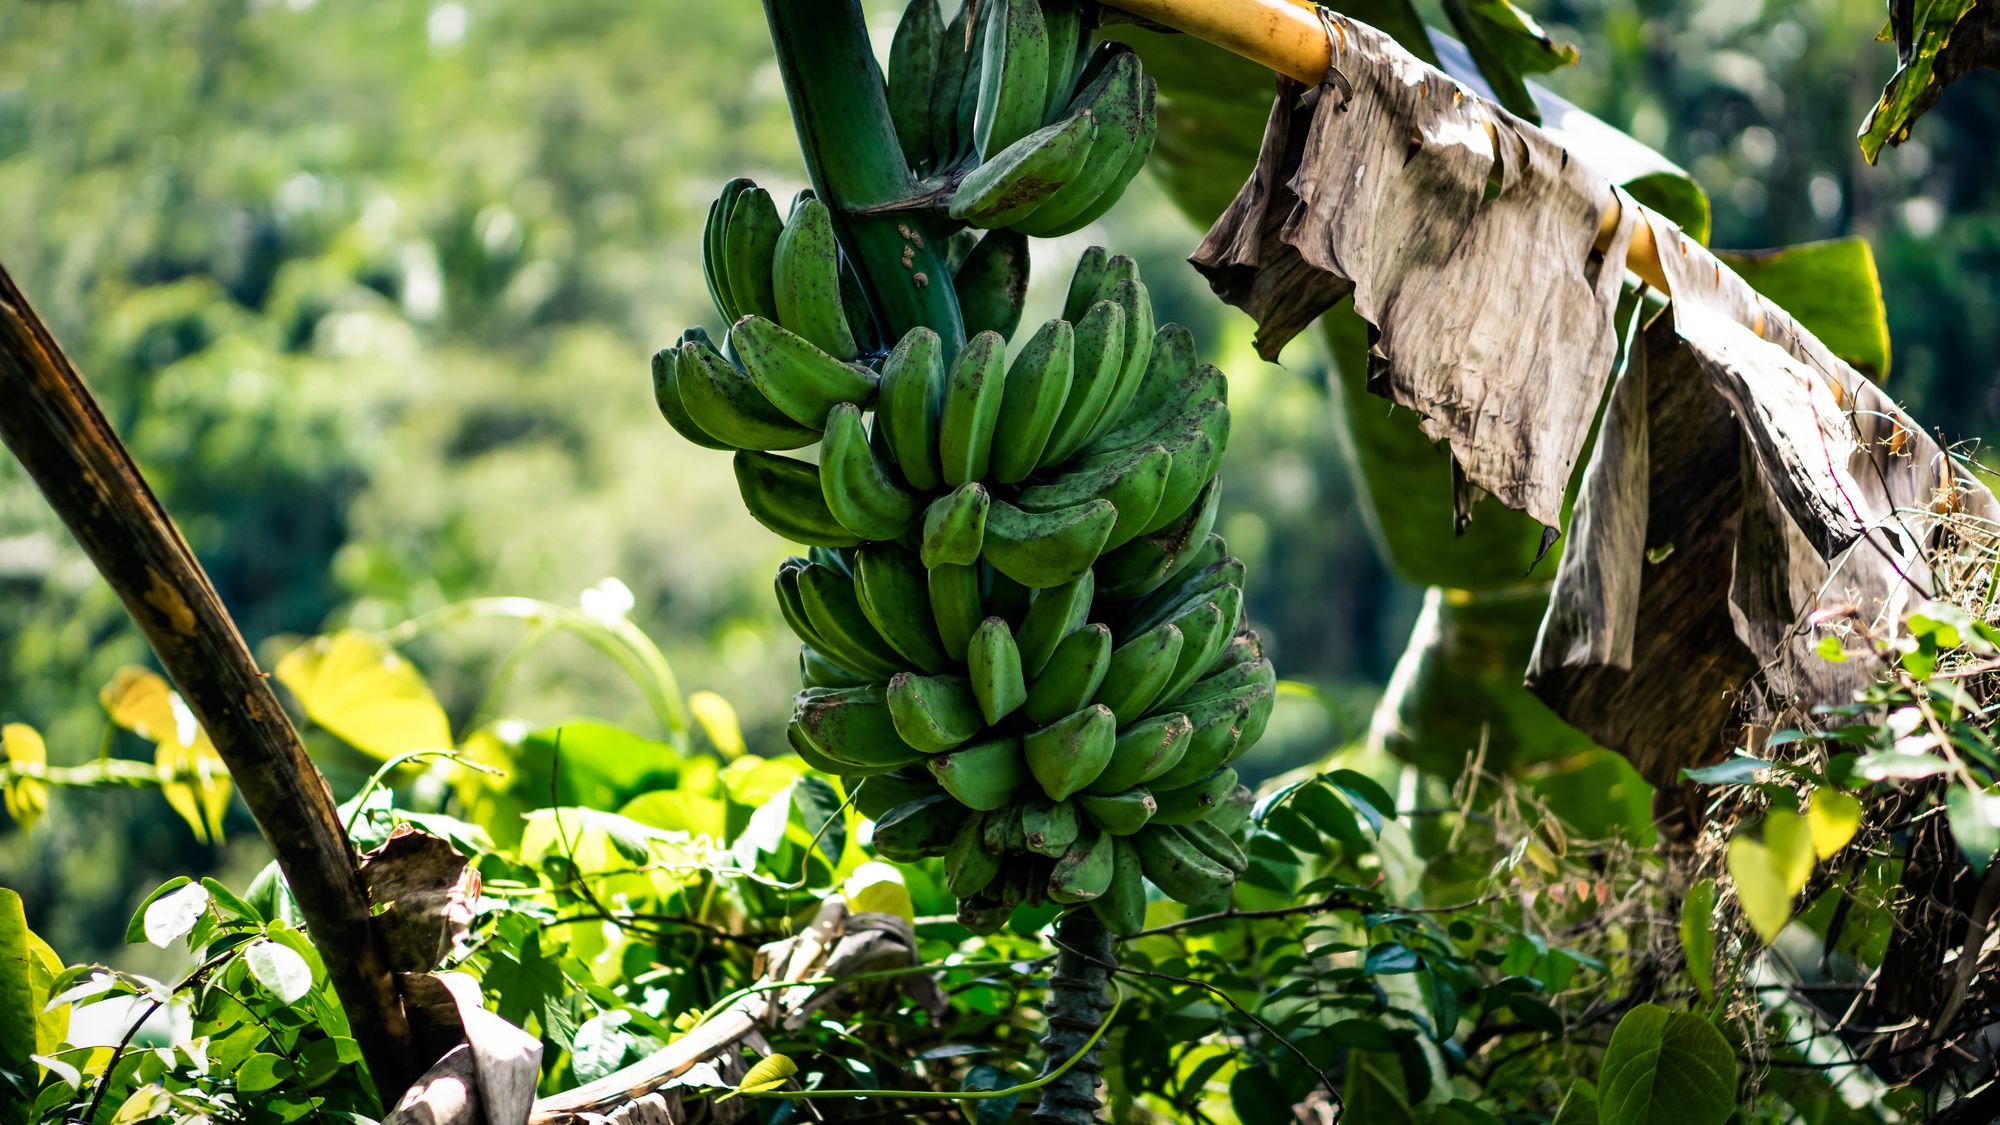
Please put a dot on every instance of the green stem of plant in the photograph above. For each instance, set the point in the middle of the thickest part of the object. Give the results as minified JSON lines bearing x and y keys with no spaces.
{"x":841,"y":111}
{"x":103,"y":771}
{"x":1081,"y":998}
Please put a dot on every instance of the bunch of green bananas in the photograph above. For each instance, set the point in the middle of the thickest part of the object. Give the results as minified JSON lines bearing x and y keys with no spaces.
{"x":1017,"y":624}
{"x":1018,"y":120}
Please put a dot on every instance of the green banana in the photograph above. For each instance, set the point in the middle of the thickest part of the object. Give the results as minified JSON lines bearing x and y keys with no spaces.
{"x":750,"y":243}
{"x":968,"y":867}
{"x":973,"y":393}
{"x":852,"y":725}
{"x":983,"y":915}
{"x":833,"y":558}
{"x":933,"y":713}
{"x":784,"y":495}
{"x":793,"y":608}
{"x":909,"y":404}
{"x":1122,"y":906}
{"x":1049,"y":827}
{"x":1044,"y":549}
{"x":797,"y":377}
{"x":984,"y":775}
{"x":811,"y":756}
{"x":1167,"y":391}
{"x":723,"y":402}
{"x":1084,"y":871}
{"x":805,"y":279}
{"x":1117,"y":99}
{"x":1071,"y":752}
{"x":1013,"y":75}
{"x":1070,"y":680}
{"x":1140,"y":566}
{"x":955,"y":526}
{"x":1197,"y":448}
{"x":1056,"y":613}
{"x":992,"y":284}
{"x":1233,"y":811}
{"x":1138,"y":669}
{"x":918,"y":829}
{"x":913,"y":64}
{"x":865,"y":495}
{"x":1216,"y":845}
{"x":854,"y":303}
{"x":954,"y":59}
{"x":1218,"y":727}
{"x":714,"y":252}
{"x":1135,"y":158}
{"x":1177,"y":867}
{"x":1100,"y":356}
{"x":1038,"y":382}
{"x":1120,"y":814}
{"x":1193,"y":802}
{"x":815,"y":670}
{"x":1205,"y":627}
{"x":1190,"y":586}
{"x":1002,"y":831}
{"x":968,"y":87}
{"x":1064,"y":22}
{"x":1010,"y":186}
{"x":1255,"y":722}
{"x":893,"y":590}
{"x":1005,"y":598}
{"x":877,"y":795}
{"x":834,"y":611}
{"x":1084,"y":282}
{"x":667,"y":396}
{"x":994,"y":664}
{"x":1141,"y":752}
{"x":956,"y":608}
{"x":1134,"y":485}
{"x":1231,"y":677}
{"x":1137,"y":303}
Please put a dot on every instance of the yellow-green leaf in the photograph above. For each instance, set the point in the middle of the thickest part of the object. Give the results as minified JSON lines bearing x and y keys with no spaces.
{"x":359,"y":688}
{"x":1698,"y":935}
{"x":26,"y":798}
{"x":718,"y":722}
{"x":141,"y":701}
{"x":1833,"y":817}
{"x":877,"y":888}
{"x":770,"y":1073}
{"x":1760,"y":887}
{"x":1831,"y":287}
{"x":1789,"y":841}
{"x":195,"y":783}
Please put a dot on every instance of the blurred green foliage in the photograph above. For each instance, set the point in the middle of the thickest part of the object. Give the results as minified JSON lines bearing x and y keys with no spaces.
{"x":369,"y":290}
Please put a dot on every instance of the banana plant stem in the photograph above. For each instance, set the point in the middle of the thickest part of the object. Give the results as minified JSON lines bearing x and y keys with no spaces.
{"x":841,"y":112}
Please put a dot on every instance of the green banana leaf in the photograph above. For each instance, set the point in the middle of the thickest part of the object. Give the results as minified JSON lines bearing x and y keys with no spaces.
{"x":1508,"y":44}
{"x":1937,"y":43}
{"x":1830,"y":287}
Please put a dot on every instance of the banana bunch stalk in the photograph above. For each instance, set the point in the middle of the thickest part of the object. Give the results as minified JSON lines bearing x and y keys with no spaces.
{"x":1017,"y":623}
{"x":1012,"y":116}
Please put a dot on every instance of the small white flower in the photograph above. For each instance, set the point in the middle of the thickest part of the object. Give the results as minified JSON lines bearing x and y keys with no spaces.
{"x":609,"y":602}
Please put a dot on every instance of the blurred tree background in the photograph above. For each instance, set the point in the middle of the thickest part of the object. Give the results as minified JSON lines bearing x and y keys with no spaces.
{"x":370,"y":289}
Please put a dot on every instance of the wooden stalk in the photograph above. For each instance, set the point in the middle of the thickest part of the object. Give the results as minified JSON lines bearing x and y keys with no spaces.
{"x":53,"y":425}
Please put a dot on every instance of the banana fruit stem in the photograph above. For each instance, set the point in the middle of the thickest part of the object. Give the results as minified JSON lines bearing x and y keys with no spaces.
{"x":841,"y":112}
{"x":1079,"y":995}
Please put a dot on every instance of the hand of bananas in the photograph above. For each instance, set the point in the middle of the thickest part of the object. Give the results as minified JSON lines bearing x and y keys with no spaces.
{"x":1017,"y":624}
{"x":1014,"y":117}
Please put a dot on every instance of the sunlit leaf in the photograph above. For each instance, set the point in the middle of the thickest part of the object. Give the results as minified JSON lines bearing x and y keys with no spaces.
{"x":1698,"y":935}
{"x":362,"y":690}
{"x":279,"y":969}
{"x":195,"y":783}
{"x":1666,"y":1067}
{"x":26,"y":798}
{"x":1760,"y":886}
{"x":1899,"y":765}
{"x":718,"y":721}
{"x":770,"y":1073}
{"x":1788,"y":839}
{"x":1975,"y":824}
{"x":143,"y":703}
{"x":1740,"y":768}
{"x":1944,"y":40}
{"x":18,"y":1010}
{"x":168,"y":917}
{"x":878,"y":888}
{"x":1833,"y":817}
{"x":677,"y":810}
{"x":261,"y":1072}
{"x":1508,"y":44}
